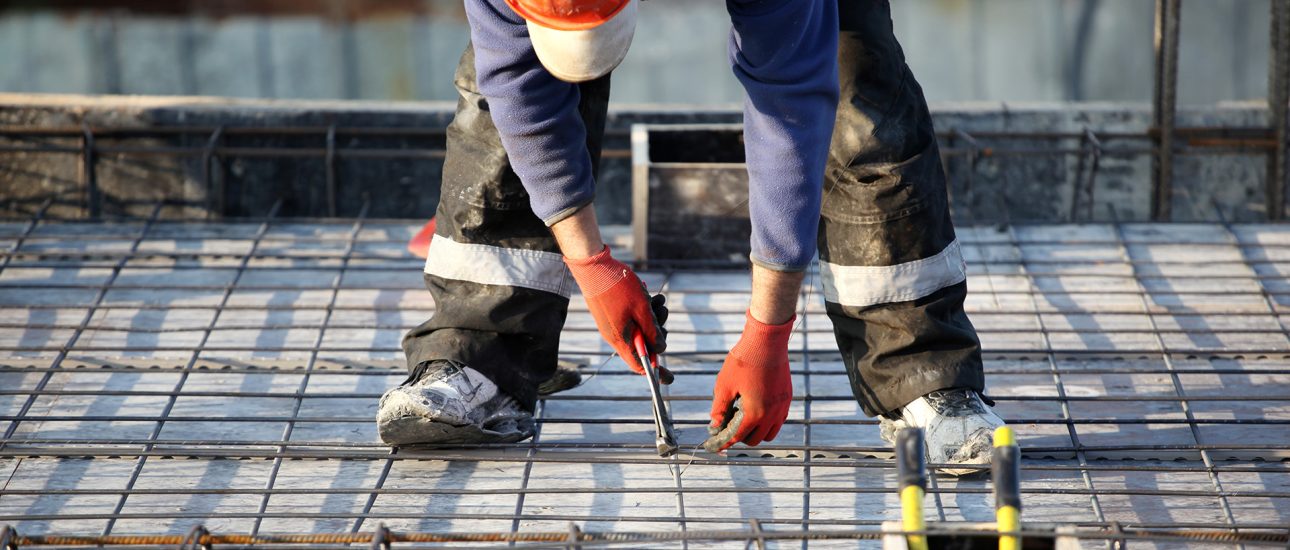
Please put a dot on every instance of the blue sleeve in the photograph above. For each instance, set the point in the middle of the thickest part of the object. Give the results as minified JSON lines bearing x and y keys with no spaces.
{"x":535,"y":113}
{"x":785,"y":52}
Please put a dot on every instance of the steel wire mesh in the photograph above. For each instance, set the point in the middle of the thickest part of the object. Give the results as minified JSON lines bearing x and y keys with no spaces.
{"x":156,"y":375}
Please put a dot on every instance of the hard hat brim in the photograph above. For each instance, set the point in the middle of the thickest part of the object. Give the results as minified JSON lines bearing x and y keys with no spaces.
{"x":588,"y":54}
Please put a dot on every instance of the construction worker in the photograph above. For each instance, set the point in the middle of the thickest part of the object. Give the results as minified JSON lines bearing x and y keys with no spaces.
{"x":841,"y":159}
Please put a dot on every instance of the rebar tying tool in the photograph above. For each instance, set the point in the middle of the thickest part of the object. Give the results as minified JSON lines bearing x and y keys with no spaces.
{"x":665,"y":441}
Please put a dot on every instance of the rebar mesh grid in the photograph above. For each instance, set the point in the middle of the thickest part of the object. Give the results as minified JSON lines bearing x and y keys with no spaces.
{"x":157,"y":376}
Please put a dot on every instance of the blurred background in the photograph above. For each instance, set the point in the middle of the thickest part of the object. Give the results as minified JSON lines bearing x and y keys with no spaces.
{"x":1045,"y":109}
{"x":1001,"y":50}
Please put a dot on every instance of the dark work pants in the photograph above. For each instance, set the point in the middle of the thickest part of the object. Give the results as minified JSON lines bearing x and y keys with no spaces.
{"x":893,"y":275}
{"x":892,"y":272}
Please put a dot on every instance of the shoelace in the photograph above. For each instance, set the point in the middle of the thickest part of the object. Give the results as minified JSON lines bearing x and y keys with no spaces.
{"x":447,"y":370}
{"x":416,"y":374}
{"x":421,"y":369}
{"x":954,"y":402}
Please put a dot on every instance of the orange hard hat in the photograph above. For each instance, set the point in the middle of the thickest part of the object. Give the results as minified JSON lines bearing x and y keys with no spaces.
{"x":579,"y":40}
{"x":568,"y":15}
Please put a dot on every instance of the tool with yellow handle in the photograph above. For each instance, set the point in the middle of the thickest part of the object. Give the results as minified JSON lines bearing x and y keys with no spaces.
{"x":911,"y":464}
{"x":1006,"y":468}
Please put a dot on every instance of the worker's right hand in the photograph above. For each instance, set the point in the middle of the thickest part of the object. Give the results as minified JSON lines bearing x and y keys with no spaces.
{"x":621,"y":307}
{"x":756,"y":373}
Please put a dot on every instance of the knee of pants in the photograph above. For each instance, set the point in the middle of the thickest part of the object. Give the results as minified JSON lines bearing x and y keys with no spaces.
{"x":891,"y":220}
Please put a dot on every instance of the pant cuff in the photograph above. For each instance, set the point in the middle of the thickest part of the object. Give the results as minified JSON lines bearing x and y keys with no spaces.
{"x":889,"y":399}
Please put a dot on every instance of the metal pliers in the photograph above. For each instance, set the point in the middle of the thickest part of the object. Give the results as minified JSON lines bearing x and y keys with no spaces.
{"x":665,"y":441}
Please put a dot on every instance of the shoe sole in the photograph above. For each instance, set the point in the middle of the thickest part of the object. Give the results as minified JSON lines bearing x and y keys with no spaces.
{"x":415,"y":430}
{"x":566,"y":377}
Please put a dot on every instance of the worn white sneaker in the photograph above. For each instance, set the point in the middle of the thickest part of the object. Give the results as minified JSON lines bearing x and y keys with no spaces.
{"x":958,"y":428}
{"x":447,"y":402}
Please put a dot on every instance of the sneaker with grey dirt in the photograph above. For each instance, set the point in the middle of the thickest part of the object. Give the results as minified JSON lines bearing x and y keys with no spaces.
{"x":444,"y":402}
{"x":958,"y":428}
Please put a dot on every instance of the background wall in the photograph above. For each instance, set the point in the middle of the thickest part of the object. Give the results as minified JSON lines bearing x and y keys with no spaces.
{"x":1005,"y":50}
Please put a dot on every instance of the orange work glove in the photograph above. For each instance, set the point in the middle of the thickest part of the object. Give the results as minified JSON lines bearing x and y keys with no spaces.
{"x":756,"y":375}
{"x":621,"y":307}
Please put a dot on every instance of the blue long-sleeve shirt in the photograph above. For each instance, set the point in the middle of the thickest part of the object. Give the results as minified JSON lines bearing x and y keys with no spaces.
{"x":784,"y":52}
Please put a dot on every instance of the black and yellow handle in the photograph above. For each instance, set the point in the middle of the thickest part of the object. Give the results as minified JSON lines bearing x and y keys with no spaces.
{"x":1006,"y":468}
{"x":911,"y":464}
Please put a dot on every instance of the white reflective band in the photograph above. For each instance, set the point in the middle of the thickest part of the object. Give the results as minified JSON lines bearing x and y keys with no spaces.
{"x":494,"y":265}
{"x":871,"y":285}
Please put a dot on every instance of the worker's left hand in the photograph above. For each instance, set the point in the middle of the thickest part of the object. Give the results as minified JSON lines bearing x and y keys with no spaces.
{"x":621,"y":307}
{"x":756,"y":374}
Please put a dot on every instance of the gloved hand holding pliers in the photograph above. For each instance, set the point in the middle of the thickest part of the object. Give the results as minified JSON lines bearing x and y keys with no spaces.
{"x":622,"y":307}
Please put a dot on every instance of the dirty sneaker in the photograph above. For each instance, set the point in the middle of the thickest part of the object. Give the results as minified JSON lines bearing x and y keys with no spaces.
{"x":447,"y":402}
{"x":958,"y":428}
